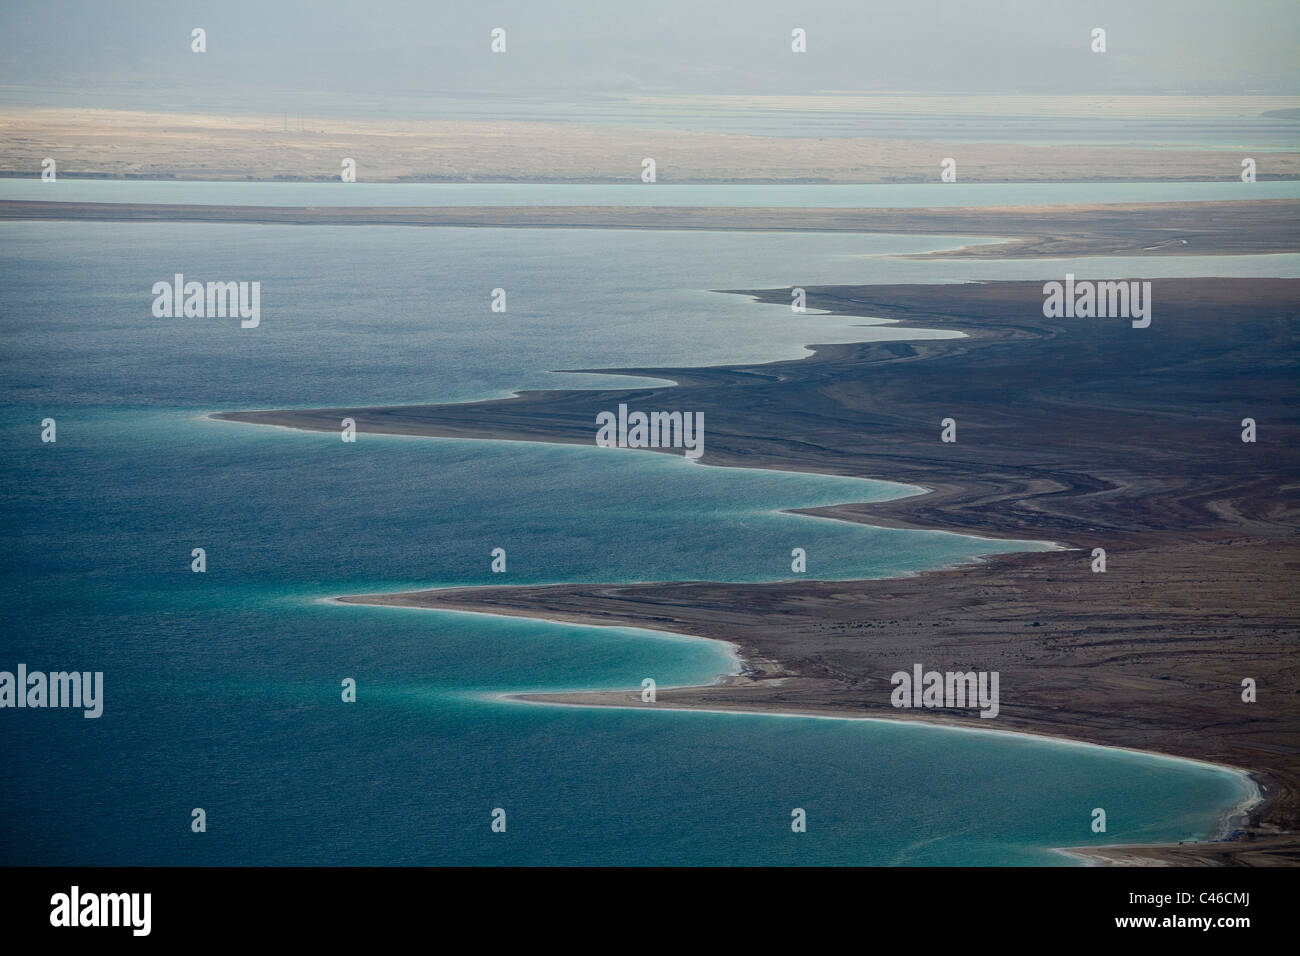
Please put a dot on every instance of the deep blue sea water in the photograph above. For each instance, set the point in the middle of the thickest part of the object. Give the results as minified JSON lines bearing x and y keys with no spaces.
{"x":223,"y":688}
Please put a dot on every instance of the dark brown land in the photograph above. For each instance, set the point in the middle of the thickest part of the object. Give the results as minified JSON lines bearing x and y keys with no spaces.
{"x":1194,"y":228}
{"x":1086,"y":432}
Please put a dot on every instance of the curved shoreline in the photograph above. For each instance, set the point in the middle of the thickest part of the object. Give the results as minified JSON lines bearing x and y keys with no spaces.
{"x":1230,"y":819}
{"x":1143,"y":644}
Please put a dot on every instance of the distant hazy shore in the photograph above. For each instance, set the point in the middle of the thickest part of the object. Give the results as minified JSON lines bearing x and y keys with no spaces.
{"x":159,"y":145}
{"x":1199,"y":526}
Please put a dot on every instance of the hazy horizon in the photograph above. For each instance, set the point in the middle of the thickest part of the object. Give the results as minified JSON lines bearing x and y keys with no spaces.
{"x":356,"y":53}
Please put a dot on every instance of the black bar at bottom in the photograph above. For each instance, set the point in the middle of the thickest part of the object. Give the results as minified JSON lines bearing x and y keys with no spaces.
{"x":648,"y":905}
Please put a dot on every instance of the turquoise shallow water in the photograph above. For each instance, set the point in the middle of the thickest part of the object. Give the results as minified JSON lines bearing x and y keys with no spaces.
{"x":222,"y":689}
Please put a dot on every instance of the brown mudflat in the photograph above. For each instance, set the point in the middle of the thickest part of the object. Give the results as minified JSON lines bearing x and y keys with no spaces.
{"x":1109,"y":229}
{"x":1086,"y":432}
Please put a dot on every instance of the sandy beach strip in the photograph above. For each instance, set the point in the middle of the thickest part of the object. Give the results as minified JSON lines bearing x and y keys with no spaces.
{"x":146,"y":144}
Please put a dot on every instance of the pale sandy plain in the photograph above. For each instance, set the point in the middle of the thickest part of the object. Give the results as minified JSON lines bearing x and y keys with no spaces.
{"x":158,"y":145}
